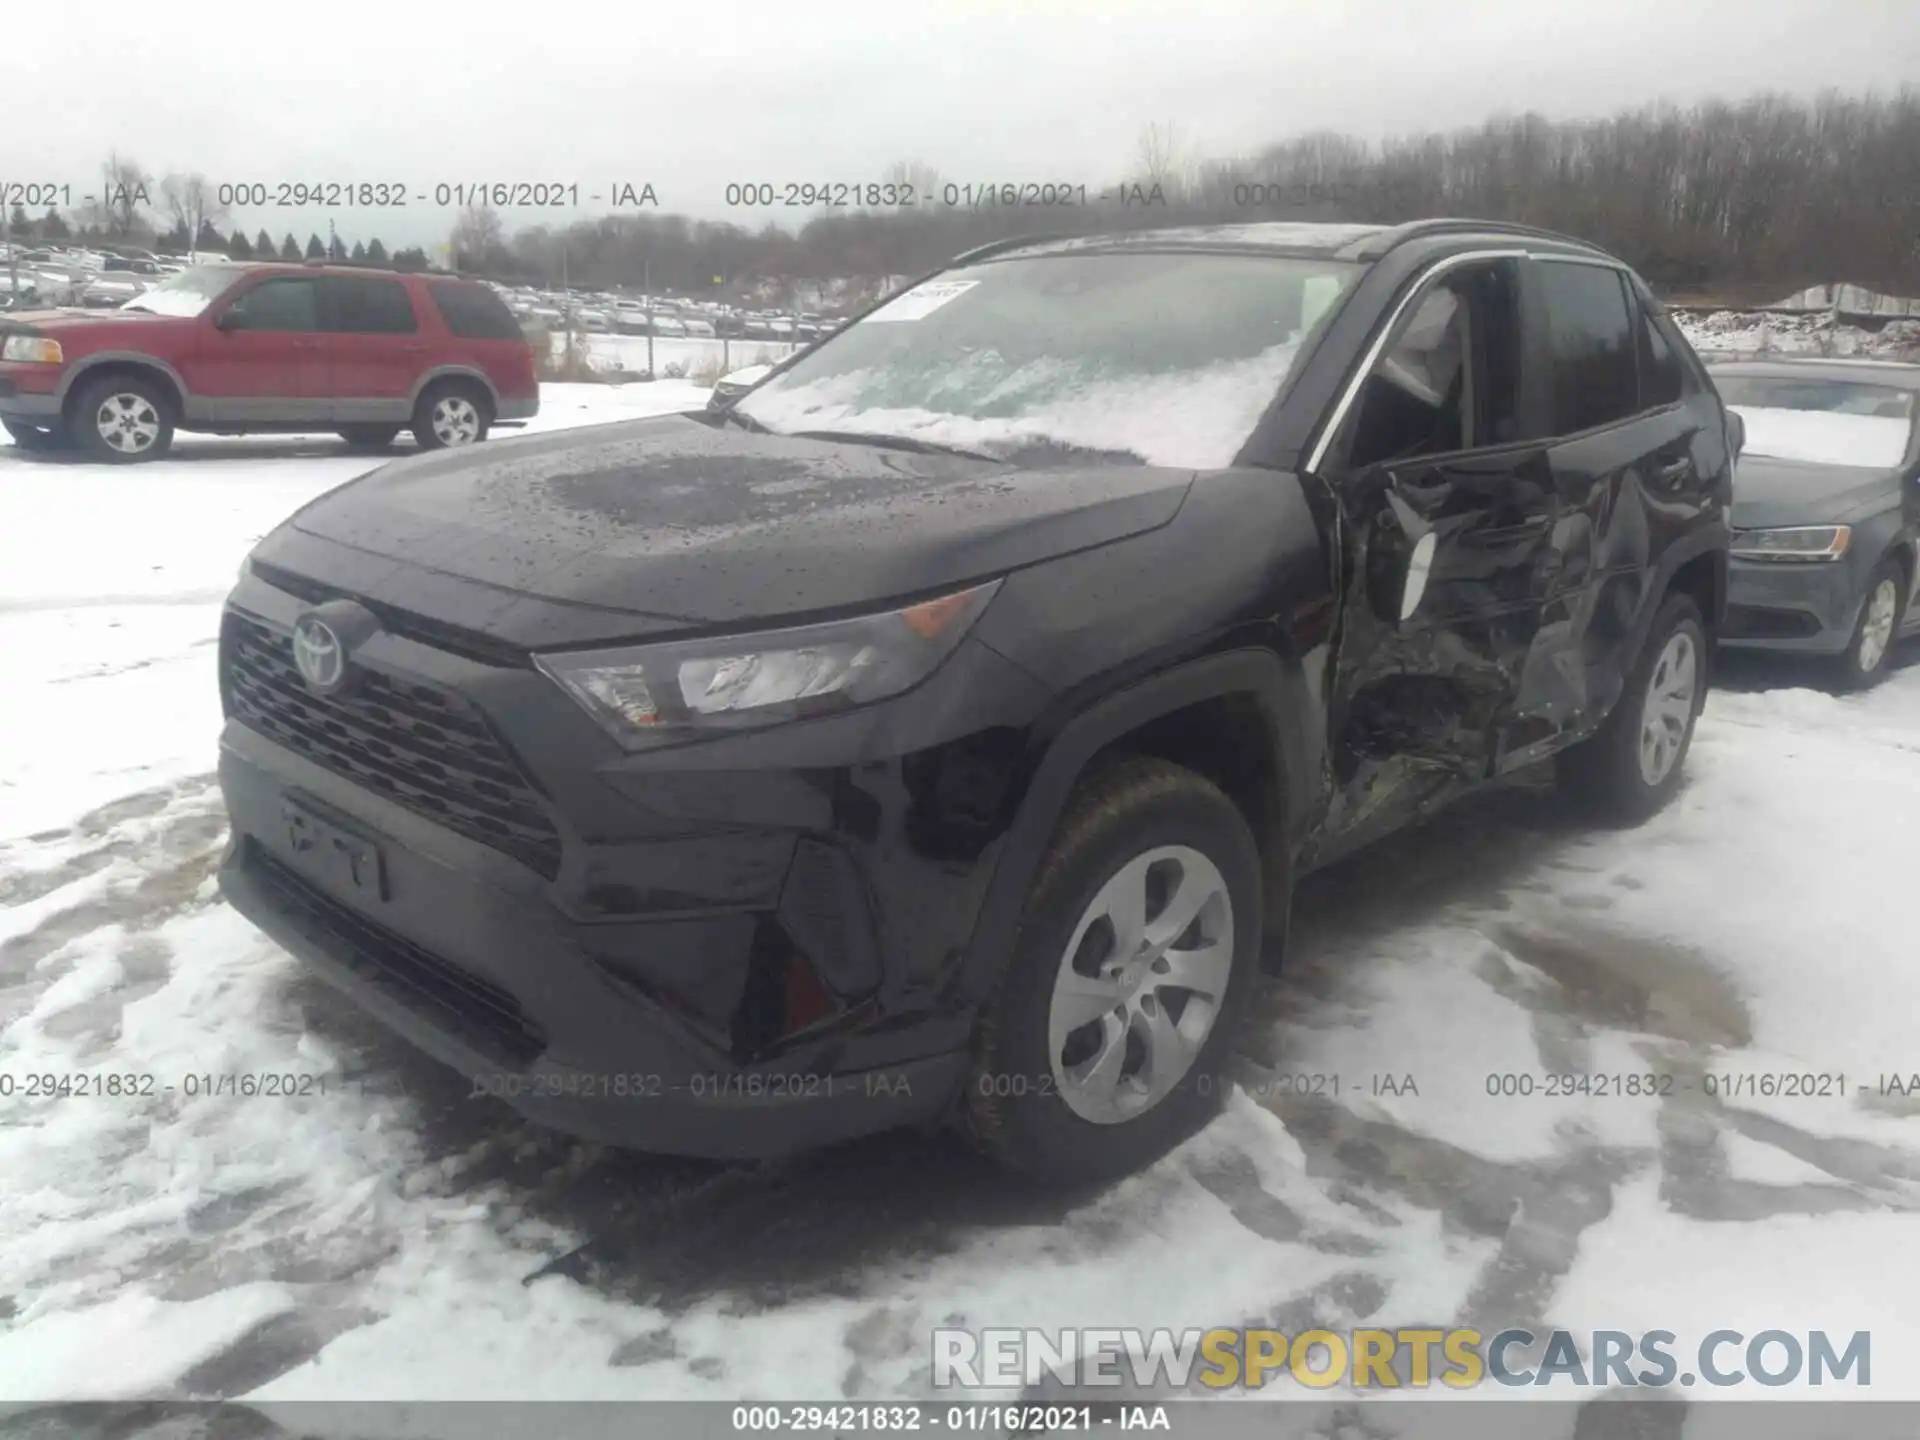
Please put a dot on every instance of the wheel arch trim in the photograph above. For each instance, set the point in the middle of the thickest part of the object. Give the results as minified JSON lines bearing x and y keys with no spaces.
{"x":89,"y":365}
{"x":453,"y":372}
{"x":1277,"y":687}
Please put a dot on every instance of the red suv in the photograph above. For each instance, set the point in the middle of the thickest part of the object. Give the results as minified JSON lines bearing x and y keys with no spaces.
{"x":235,"y":349}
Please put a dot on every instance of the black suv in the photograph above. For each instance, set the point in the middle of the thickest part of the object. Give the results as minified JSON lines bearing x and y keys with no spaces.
{"x":937,"y":734}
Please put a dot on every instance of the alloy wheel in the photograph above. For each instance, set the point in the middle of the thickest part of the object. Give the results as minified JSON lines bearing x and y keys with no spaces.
{"x":1667,"y":710}
{"x":1876,"y":627}
{"x":128,"y":422}
{"x":455,"y":420}
{"x":1141,"y":984}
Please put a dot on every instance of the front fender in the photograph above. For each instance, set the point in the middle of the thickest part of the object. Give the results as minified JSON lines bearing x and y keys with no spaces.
{"x":1273,"y":681}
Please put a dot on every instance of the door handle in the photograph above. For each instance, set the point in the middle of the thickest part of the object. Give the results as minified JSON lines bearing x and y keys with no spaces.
{"x":1673,"y":471}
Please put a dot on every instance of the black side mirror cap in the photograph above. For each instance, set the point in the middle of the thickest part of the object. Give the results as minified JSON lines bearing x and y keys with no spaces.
{"x":227,"y":320}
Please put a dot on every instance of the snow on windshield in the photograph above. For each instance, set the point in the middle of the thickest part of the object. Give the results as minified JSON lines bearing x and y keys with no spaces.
{"x":1824,"y":437}
{"x":1195,"y":419}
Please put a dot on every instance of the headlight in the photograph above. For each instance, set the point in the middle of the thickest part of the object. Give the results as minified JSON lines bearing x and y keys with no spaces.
{"x":1800,"y":542}
{"x":34,"y":349}
{"x":649,"y":693}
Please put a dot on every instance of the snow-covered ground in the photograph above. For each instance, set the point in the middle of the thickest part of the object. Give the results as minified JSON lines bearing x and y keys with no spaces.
{"x":391,"y":1238}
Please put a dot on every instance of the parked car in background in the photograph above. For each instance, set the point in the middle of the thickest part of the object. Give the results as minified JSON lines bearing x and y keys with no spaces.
{"x":243,"y":348}
{"x":934,"y":735}
{"x":731,"y":387}
{"x":1826,"y":510}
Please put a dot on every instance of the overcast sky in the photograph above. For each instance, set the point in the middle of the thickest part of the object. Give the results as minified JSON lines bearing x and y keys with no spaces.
{"x":692,"y":94}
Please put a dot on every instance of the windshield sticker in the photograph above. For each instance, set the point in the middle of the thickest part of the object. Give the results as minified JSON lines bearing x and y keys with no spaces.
{"x":922,"y":300}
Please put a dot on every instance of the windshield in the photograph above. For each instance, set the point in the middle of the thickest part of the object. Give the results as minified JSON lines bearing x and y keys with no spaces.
{"x":187,"y":293}
{"x":1821,"y":421}
{"x":1170,"y":358}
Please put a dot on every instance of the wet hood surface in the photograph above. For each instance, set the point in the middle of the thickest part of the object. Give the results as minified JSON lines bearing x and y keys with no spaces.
{"x":651,"y":526}
{"x":1798,"y":492}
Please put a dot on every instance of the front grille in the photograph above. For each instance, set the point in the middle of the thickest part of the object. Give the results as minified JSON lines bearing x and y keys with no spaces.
{"x":420,"y":746}
{"x":487,"y":1017}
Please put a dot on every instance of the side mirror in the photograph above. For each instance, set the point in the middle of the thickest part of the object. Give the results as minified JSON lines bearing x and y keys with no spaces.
{"x":1736,"y":432}
{"x":228,"y":319}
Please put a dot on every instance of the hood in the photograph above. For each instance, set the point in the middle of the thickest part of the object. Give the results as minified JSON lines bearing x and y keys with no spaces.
{"x":1770,"y":492}
{"x":648,"y":527}
{"x":64,"y":318}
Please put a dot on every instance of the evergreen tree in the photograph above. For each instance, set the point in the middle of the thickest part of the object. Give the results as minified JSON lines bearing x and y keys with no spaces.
{"x":376,"y":252}
{"x":359,"y":254}
{"x":240,"y":248}
{"x":22,"y":223}
{"x":52,"y":226}
{"x":289,"y":248}
{"x":175,"y":241}
{"x":209,"y":238}
{"x":263,"y":245}
{"x":315,"y":249}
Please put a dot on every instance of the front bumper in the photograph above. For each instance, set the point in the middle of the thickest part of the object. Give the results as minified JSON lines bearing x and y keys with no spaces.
{"x":1795,"y":606}
{"x":20,"y":395}
{"x":733,"y":955}
{"x":499,"y":988}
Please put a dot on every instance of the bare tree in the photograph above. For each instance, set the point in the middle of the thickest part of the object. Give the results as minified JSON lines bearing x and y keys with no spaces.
{"x":191,"y":202}
{"x":1164,"y":159}
{"x":479,"y":240}
{"x":126,"y":187}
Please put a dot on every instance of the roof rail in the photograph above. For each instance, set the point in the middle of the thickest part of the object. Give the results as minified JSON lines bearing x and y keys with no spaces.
{"x":995,"y":247}
{"x":1374,"y":246}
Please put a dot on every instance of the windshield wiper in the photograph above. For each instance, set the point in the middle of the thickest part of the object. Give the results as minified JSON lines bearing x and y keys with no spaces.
{"x":891,"y":442}
{"x":745,"y":422}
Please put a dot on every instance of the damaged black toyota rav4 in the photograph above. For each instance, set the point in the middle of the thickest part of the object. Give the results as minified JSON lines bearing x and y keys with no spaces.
{"x":936,"y":733}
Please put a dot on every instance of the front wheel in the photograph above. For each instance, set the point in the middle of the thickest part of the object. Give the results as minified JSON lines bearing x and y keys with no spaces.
{"x":1869,"y":653}
{"x":450,"y":416}
{"x":1631,"y":766}
{"x":1107,"y":1043}
{"x":123,"y":419}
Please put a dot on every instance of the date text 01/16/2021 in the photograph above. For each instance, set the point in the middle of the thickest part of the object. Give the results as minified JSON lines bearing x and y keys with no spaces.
{"x":131,"y":1085}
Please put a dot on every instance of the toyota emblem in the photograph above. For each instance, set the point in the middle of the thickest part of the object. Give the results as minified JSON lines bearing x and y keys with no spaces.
{"x":318,"y":653}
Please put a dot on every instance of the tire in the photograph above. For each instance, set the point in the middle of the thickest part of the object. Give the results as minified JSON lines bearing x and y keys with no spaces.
{"x":1604,"y":773}
{"x":38,"y":438}
{"x":450,"y":415}
{"x":1868,"y":658}
{"x":122,"y":419}
{"x":1032,"y":1100}
{"x":369,"y":437}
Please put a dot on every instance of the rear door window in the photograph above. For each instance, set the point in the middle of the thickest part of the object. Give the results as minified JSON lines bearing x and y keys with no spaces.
{"x":1593,"y":347}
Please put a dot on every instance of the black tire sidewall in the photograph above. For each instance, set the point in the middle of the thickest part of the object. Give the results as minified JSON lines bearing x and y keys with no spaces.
{"x":422,"y":426}
{"x":85,"y":428}
{"x":1012,"y":1100}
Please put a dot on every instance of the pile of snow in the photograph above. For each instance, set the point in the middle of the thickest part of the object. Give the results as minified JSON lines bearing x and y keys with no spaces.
{"x":1759,"y":334}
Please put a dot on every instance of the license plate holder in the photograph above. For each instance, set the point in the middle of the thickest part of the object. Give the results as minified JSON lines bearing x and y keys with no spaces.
{"x":334,"y":854}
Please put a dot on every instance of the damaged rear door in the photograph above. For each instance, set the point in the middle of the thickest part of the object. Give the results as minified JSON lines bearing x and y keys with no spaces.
{"x":1449,"y":535}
